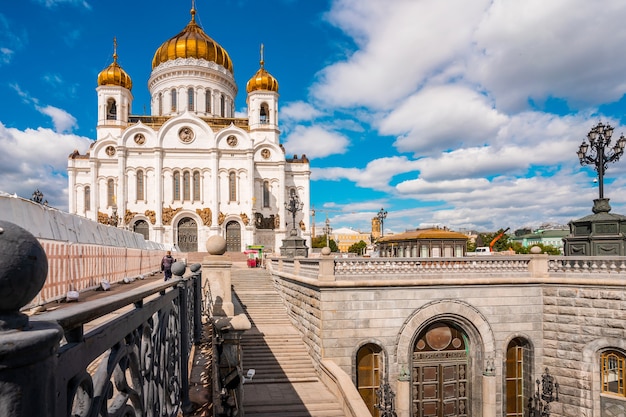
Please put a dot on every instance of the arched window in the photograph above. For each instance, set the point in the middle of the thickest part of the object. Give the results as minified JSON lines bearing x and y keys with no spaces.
{"x":232,"y":186}
{"x":190,"y":99}
{"x":207,"y":101}
{"x":264,"y":117}
{"x":518,"y":377}
{"x":176,"y":185}
{"x":223,"y":106}
{"x":266,"y":193}
{"x":111,"y":109}
{"x":186,"y":186}
{"x":160,"y":104}
{"x":142,"y":227}
{"x":110,"y":193}
{"x":87,"y":198}
{"x":612,"y":367}
{"x":174,"y":99}
{"x":369,"y":374}
{"x":196,"y":186}
{"x":140,"y":188}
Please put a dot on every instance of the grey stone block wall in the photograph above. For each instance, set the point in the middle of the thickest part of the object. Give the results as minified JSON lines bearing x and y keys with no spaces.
{"x":579,"y":322}
{"x":335,"y":322}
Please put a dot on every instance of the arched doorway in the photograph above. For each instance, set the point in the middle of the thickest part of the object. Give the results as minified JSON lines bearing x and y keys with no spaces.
{"x":141,"y":227}
{"x":369,"y":363}
{"x":440,"y":367}
{"x":233,"y":237}
{"x":187,"y":235}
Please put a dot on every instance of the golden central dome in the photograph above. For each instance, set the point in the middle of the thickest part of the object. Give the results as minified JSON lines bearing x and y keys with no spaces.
{"x":114,"y":74}
{"x":192,"y":42}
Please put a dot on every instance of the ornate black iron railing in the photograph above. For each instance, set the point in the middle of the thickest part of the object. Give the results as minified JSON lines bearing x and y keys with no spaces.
{"x":134,"y":363}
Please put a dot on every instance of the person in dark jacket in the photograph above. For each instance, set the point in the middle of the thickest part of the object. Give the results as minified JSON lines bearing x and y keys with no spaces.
{"x":166,"y":265}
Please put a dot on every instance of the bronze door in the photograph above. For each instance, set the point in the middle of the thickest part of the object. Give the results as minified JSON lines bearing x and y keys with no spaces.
{"x":439,"y":373}
{"x":233,"y":237}
{"x":187,"y":235}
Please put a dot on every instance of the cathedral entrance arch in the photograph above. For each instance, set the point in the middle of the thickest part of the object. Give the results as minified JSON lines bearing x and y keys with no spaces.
{"x":440,"y":368}
{"x":187,"y":235}
{"x":141,"y":227}
{"x":233,"y":236}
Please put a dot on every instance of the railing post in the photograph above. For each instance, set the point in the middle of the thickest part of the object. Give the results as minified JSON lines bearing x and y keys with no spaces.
{"x":27,"y":350}
{"x":178,"y":269}
{"x":327,"y":266}
{"x":216,"y":271}
{"x":197,"y":302}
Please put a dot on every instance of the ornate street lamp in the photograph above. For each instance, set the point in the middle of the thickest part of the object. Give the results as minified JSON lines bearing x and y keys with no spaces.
{"x":539,"y":404}
{"x":593,"y":153}
{"x":293,"y":206}
{"x":382,"y":215}
{"x":327,"y":230}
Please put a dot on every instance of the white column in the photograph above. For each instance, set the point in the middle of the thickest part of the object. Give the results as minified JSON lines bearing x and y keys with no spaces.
{"x":122,"y":195}
{"x":214,"y":190}
{"x":158,"y":179}
{"x":95,"y":190}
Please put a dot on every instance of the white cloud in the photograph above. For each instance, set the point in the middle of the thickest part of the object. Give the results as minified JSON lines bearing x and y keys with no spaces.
{"x":446,"y":116}
{"x":62,"y":120}
{"x":401,"y":43}
{"x":562,"y":48}
{"x":376,"y":175}
{"x":315,"y":142}
{"x":299,"y":111}
{"x":37,"y":158}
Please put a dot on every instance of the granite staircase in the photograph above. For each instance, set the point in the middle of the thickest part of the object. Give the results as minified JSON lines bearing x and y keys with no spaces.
{"x":286,"y":383}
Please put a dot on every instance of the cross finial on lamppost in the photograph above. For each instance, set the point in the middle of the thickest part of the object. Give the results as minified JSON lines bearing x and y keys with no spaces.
{"x":382,"y":215}
{"x":593,"y":153}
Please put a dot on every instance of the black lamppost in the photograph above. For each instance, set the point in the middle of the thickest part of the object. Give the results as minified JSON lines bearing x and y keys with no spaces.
{"x":293,"y":206}
{"x":327,"y":231}
{"x":599,"y":139}
{"x":382,"y":215}
{"x":539,"y":404}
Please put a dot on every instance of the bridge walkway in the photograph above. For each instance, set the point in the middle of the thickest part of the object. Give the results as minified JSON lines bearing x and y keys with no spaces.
{"x":286,"y":383}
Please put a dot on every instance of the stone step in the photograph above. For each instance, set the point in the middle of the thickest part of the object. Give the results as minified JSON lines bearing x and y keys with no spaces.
{"x":285,"y":383}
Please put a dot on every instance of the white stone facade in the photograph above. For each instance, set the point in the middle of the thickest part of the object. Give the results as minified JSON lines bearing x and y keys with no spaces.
{"x":190,"y":170}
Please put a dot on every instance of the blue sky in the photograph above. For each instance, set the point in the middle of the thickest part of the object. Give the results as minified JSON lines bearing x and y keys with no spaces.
{"x":456,"y":113}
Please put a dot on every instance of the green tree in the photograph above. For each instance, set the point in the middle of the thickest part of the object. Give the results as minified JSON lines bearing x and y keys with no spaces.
{"x":358,"y":248}
{"x":502,"y":244}
{"x":320,"y":242}
{"x":548,"y":249}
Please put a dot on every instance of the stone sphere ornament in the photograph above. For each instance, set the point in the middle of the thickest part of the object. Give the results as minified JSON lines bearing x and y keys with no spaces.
{"x":178,"y":268}
{"x":216,"y":245}
{"x":23,"y":267}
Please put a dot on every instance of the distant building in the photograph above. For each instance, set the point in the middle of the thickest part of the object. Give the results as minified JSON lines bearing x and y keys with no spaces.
{"x":552,"y":237}
{"x":345,"y":237}
{"x":423,"y":243}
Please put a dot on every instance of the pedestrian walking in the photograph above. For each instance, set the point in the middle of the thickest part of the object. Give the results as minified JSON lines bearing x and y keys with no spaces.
{"x":166,"y":265}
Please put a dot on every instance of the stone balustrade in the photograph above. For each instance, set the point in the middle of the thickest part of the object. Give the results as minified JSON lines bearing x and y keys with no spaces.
{"x":531,"y":266}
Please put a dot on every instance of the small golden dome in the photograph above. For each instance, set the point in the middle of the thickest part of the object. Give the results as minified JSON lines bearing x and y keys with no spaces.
{"x":262,"y":80}
{"x":192,"y":42}
{"x":114,"y":74}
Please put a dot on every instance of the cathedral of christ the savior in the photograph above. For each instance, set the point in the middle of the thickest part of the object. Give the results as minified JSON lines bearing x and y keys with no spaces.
{"x":191,"y":169}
